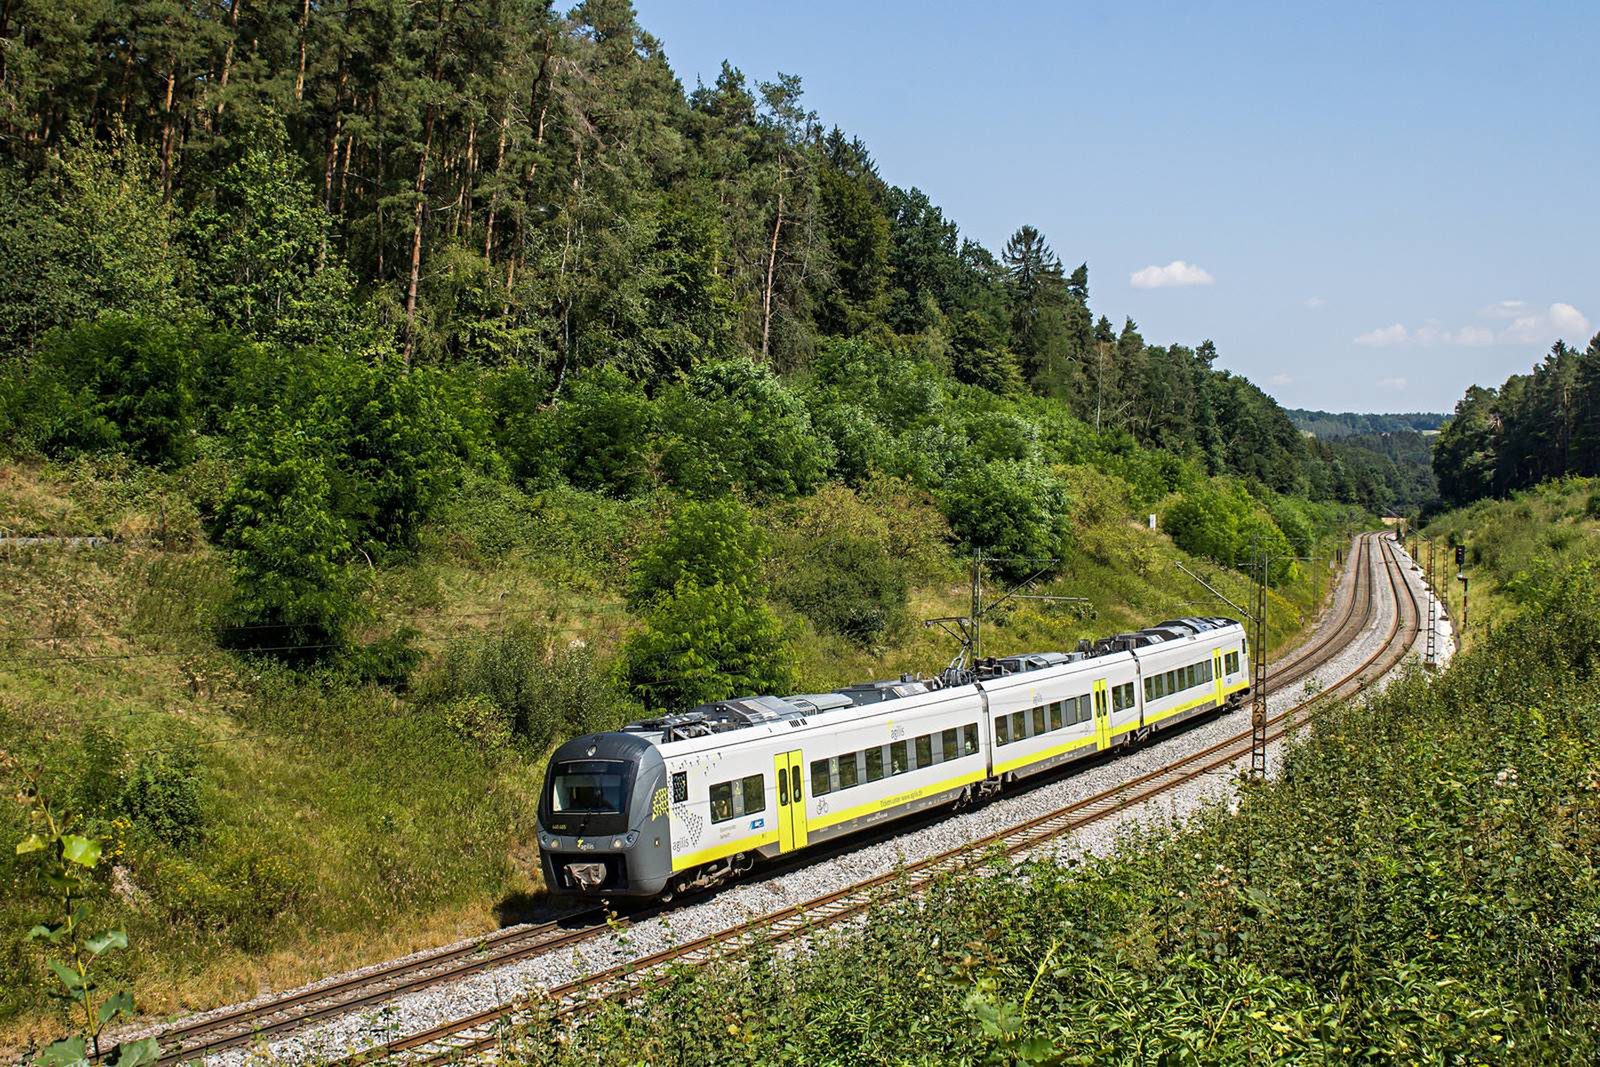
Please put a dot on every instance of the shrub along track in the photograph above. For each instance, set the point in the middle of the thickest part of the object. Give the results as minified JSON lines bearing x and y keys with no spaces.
{"x":217,"y":1032}
{"x":482,"y":1032}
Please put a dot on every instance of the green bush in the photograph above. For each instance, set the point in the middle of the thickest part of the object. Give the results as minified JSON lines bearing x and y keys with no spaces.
{"x":1015,"y":513}
{"x":478,"y":719}
{"x":121,"y":382}
{"x":858,"y":442}
{"x":706,"y":542}
{"x":162,"y":795}
{"x":604,"y":429}
{"x":401,"y":438}
{"x":289,"y":550}
{"x":704,"y":643}
{"x":522,"y":427}
{"x":1294,"y":519}
{"x":832,"y":564}
{"x":92,"y":234}
{"x":1223,"y":522}
{"x":522,"y":680}
{"x":734,"y":425}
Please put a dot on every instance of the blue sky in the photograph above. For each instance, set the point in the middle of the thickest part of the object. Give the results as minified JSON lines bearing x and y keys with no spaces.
{"x":1367,"y":206}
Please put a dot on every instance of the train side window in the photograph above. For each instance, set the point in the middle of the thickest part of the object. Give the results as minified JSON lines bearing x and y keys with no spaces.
{"x":1057,"y":714}
{"x":948,"y":749}
{"x":722,"y":802}
{"x":821,"y":778}
{"x":1149,"y":689}
{"x":680,"y":786}
{"x":848,"y":770}
{"x":899,"y":756}
{"x":874,"y":763}
{"x":969,"y":738}
{"x":1002,"y":730}
{"x":925,"y":750}
{"x":1085,"y":708}
{"x":1019,"y":725}
{"x":1038,"y":721}
{"x":755,"y":795}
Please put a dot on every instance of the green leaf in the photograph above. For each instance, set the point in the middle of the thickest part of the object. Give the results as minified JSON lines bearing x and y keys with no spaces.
{"x":65,"y":1053}
{"x":51,"y":934}
{"x":135,"y":1053}
{"x":114,"y":1005}
{"x":69,"y":977}
{"x":84,"y":851}
{"x":110,"y":939}
{"x":31,"y":843}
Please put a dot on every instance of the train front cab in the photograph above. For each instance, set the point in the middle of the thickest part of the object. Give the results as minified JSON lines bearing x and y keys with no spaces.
{"x":603,"y":827}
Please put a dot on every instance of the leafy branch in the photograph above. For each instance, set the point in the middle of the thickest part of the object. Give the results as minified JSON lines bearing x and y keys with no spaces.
{"x":68,"y":861}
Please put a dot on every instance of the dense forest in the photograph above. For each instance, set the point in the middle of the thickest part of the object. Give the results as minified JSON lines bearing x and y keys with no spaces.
{"x":1329,"y":425}
{"x":1392,"y":470}
{"x":1539,"y":425}
{"x":495,"y":185}
{"x":346,"y":254}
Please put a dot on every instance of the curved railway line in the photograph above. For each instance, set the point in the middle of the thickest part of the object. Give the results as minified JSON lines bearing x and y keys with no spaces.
{"x":215,"y":1033}
{"x":482,"y":1032}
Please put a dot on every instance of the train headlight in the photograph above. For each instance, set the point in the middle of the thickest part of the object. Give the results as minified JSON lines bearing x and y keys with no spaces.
{"x":616,"y":842}
{"x":547,"y":841}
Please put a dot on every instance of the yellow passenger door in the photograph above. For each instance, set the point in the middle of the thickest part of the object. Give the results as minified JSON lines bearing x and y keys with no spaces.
{"x":1102,"y":714}
{"x":1216,"y":673}
{"x":791,"y":801}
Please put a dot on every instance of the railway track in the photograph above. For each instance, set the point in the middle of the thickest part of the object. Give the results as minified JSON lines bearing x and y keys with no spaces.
{"x":484,"y":1031}
{"x":215,"y":1033}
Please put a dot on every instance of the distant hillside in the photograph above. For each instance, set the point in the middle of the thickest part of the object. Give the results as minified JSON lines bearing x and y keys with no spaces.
{"x":1327,"y":424}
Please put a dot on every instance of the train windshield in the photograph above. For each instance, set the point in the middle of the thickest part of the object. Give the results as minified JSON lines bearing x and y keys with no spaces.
{"x":589,"y":787}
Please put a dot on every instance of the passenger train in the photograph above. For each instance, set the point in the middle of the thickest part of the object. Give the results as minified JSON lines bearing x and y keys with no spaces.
{"x":688,"y":801}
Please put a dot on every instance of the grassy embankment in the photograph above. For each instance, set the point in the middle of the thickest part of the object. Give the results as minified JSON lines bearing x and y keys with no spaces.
{"x":1512,"y":546}
{"x":306,"y":823}
{"x":1422,"y":885}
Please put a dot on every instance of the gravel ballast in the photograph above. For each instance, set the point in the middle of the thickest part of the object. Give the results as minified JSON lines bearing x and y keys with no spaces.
{"x":742,"y":901}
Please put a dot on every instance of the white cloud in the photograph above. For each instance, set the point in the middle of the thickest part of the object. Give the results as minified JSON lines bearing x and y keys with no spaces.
{"x":1392,"y":383}
{"x":1568,"y":319}
{"x":1315,"y":301}
{"x":1282,"y":379}
{"x":1385,"y":337}
{"x":1559,"y":321}
{"x":1503,"y":309}
{"x":1523,"y":328}
{"x":1173,"y":274}
{"x":1430,"y":334}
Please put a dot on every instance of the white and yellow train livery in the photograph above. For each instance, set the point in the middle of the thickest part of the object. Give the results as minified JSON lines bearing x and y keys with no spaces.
{"x":687,"y":801}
